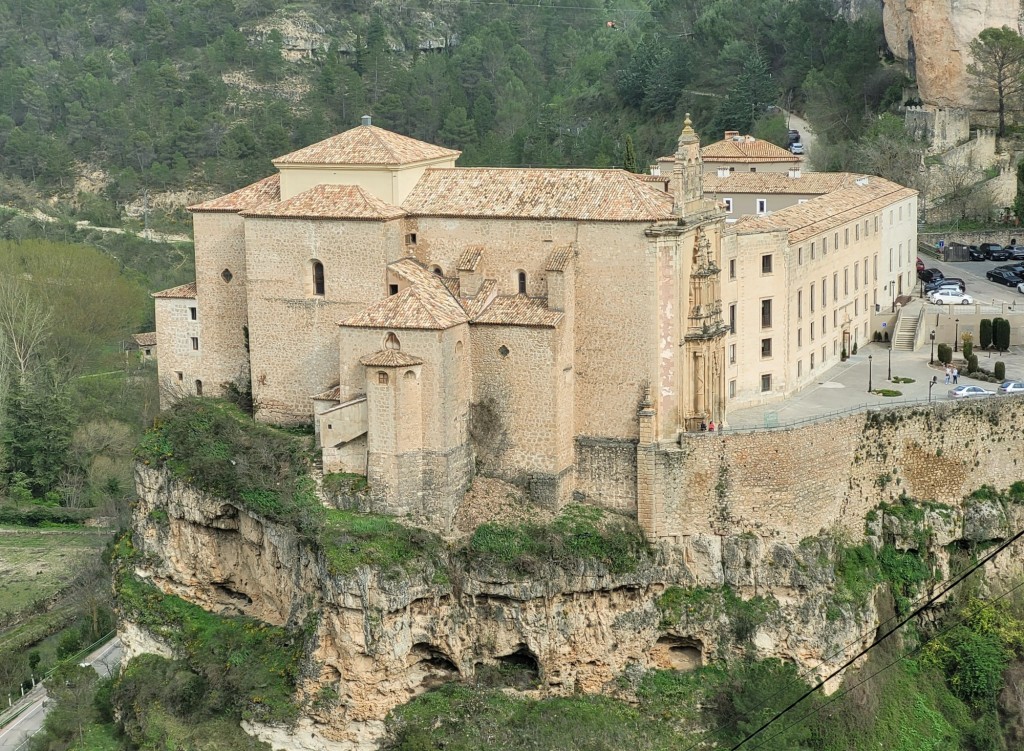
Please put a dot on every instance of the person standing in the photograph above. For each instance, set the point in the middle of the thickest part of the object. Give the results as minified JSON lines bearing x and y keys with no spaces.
{"x":956,"y":375}
{"x":949,"y":374}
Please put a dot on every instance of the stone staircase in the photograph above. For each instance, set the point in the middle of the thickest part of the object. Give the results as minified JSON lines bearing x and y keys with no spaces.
{"x":904,"y":336}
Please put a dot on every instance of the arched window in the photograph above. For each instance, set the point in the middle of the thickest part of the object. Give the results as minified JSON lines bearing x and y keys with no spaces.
{"x":522,"y":282}
{"x":318,"y":278}
{"x":391,"y":341}
{"x":199,"y":388}
{"x":436,"y":270}
{"x":410,"y":375}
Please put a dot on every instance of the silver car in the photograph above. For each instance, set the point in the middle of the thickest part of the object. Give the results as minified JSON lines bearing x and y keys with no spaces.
{"x":964,"y":392}
{"x":1012,"y":387}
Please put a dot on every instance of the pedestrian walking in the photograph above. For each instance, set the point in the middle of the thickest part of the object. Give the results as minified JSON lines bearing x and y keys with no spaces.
{"x":956,"y":374}
{"x":711,"y":426}
{"x":949,"y":374}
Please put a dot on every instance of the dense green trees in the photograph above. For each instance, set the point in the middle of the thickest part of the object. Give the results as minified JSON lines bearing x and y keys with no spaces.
{"x":998,"y":67}
{"x":163,"y":94}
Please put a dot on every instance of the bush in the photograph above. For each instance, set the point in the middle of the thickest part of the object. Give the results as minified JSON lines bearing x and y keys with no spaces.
{"x":1001,"y":334}
{"x":985,"y":333}
{"x":972,"y":364}
{"x":945,"y":354}
{"x":999,"y":371}
{"x":968,"y":348}
{"x":854,"y":349}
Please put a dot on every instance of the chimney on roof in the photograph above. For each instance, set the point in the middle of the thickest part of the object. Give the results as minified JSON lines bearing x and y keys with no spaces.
{"x":794,"y":173}
{"x":723,"y":171}
{"x":366,"y":119}
{"x":731,"y":135}
{"x":750,"y":139}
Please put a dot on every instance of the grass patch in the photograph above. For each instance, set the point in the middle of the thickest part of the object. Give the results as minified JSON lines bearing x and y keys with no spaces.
{"x":900,"y":379}
{"x":887,"y":392}
{"x":701,"y":603}
{"x":253,"y":666}
{"x":350,"y":540}
{"x":344,"y":483}
{"x":579,"y":534}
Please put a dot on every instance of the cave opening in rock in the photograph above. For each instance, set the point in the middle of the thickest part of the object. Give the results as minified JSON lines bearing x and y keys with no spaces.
{"x":433,"y":665}
{"x":519,"y":669}
{"x":678,"y":653}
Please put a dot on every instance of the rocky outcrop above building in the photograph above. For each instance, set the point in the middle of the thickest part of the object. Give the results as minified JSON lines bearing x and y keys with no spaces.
{"x":934,"y":38}
{"x":382,"y":637}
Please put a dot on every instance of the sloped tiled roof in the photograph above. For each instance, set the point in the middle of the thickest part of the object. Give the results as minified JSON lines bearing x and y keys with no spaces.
{"x":367,"y":145}
{"x":560,"y":257}
{"x":330,"y":202}
{"x":470,"y":258}
{"x":575,"y":194}
{"x":518,"y":310}
{"x":331,"y":395}
{"x":829,"y":211}
{"x":390,"y":358}
{"x":746,"y":149}
{"x":425,"y":304}
{"x":267,"y":190}
{"x":475,"y":304}
{"x":762,"y":183}
{"x":185,"y":291}
{"x":145,"y":339}
{"x":451,"y":283}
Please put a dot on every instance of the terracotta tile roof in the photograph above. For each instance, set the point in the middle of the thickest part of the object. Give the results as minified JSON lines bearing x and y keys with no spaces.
{"x":331,"y":395}
{"x":425,"y":304}
{"x":145,"y":339}
{"x":267,"y":190}
{"x":367,"y":144}
{"x":519,"y":310}
{"x":574,"y":194}
{"x":829,"y":211}
{"x":746,"y":149}
{"x":390,"y":358}
{"x":185,"y":291}
{"x":474,"y":305}
{"x":809,"y":183}
{"x":330,"y":202}
{"x":451,"y":283}
{"x":470,"y":258}
{"x":560,"y":257}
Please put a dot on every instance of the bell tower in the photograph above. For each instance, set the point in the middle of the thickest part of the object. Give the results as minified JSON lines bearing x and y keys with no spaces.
{"x":687,"y":172}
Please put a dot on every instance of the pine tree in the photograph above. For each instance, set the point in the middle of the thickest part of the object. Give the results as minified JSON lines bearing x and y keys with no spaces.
{"x":629,"y":162}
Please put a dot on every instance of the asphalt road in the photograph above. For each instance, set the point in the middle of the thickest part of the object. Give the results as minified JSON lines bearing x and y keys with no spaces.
{"x":15,"y":735}
{"x":981,"y":289}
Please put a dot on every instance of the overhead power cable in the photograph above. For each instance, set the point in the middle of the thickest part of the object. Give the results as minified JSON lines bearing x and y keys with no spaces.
{"x":913,"y":614}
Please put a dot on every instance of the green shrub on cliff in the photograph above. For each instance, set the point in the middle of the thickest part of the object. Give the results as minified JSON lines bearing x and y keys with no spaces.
{"x":350,"y":540}
{"x":579,"y":534}
{"x":212,"y":445}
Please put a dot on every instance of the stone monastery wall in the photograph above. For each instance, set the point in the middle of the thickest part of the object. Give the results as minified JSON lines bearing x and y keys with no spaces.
{"x":791,"y":484}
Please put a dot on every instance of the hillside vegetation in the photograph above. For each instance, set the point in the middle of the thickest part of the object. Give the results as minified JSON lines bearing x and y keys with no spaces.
{"x":161,"y":94}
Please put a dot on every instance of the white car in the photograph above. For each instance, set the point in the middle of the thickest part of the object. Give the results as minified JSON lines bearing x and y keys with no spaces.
{"x":950,"y":296}
{"x":1020,"y":288}
{"x":964,"y":392}
{"x":1012,"y":387}
{"x":796,"y":148}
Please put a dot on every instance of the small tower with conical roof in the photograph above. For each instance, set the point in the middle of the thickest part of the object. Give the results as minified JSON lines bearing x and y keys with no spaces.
{"x":687,"y":187}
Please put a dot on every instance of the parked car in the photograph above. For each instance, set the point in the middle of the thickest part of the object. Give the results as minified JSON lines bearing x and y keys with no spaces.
{"x":1016,"y":252}
{"x":794,"y":135}
{"x":920,"y":265}
{"x":950,"y":296}
{"x":930,"y":275}
{"x":1004,"y":276}
{"x":994,"y":252}
{"x":796,"y":148}
{"x":1020,"y":288}
{"x":1016,"y":268}
{"x":949,"y":281}
{"x":1012,"y":387}
{"x":964,"y":392}
{"x":974,"y":253}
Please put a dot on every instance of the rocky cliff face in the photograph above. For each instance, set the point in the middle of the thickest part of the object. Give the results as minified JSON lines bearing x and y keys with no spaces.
{"x":934,"y":39}
{"x":383,"y":638}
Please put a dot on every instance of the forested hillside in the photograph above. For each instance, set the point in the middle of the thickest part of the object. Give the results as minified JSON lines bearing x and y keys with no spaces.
{"x":152,"y":95}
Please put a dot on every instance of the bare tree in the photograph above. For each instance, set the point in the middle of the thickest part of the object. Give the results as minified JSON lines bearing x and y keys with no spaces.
{"x":24,"y":326}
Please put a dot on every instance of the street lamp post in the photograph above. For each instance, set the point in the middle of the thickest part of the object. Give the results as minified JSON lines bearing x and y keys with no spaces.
{"x":869,"y":374}
{"x":931,"y":360}
{"x":932,"y":382}
{"x":956,"y":336}
{"x":888,"y":375}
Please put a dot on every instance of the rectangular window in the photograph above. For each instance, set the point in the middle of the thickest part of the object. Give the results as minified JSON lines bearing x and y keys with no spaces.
{"x":800,"y":256}
{"x":856,"y":275}
{"x":392,"y":289}
{"x":824,"y":293}
{"x":835,"y":241}
{"x":732,"y":318}
{"x":824,"y":246}
{"x":732,"y":268}
{"x":799,"y":368}
{"x":799,"y":303}
{"x":732,"y":354}
{"x":835,"y":318}
{"x":766,"y":348}
{"x":812,"y":331}
{"x":856,"y":306}
{"x":856,"y":232}
{"x":835,"y":287}
{"x":382,"y":378}
{"x":181,"y":376}
{"x":823,"y":354}
{"x":812,"y":251}
{"x":195,"y":342}
{"x":799,"y":337}
{"x":193,"y":313}
{"x":865,"y":271}
{"x":876,"y":224}
{"x":410,"y":239}
{"x":762,"y":203}
{"x":846,"y":282}
{"x":766,"y":314}
{"x":732,"y":389}
{"x":812,"y":297}
{"x":874,"y":267}
{"x":812,"y":361}
{"x":766,"y":382}
{"x":728,"y":205}
{"x":766,"y":264}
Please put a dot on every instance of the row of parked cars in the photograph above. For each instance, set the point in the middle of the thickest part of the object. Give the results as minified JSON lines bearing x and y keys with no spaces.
{"x":943,"y":290}
{"x":996,"y":252}
{"x":966,"y":391}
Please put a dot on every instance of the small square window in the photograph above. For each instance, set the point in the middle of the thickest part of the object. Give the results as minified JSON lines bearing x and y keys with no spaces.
{"x":195,"y":342}
{"x":410,"y":239}
{"x":766,"y":382}
{"x":766,"y":264}
{"x":181,"y":376}
{"x":766,"y":348}
{"x":762,"y":204}
{"x":382,"y":378}
{"x":728,"y":205}
{"x":392,"y":289}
